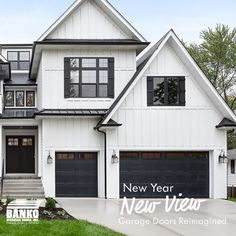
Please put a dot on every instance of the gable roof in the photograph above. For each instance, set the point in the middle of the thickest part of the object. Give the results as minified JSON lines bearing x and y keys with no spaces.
{"x":146,"y":58}
{"x":104,"y":4}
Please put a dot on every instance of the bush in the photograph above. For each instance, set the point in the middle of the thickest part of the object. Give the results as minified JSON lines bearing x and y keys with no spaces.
{"x":8,"y":200}
{"x":50,"y":203}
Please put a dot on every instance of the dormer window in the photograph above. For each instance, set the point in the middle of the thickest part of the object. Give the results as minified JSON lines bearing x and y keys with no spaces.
{"x":20,"y":60}
{"x":89,"y":77}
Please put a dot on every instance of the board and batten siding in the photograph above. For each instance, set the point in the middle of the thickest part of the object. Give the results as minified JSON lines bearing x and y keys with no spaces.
{"x":52,"y":86}
{"x":70,"y":135}
{"x":39,"y":87}
{"x":176,"y":127}
{"x":88,"y":21}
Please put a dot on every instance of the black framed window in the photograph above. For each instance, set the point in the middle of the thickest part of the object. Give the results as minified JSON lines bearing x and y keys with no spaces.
{"x":166,"y":91}
{"x":89,"y":77}
{"x":9,"y":99}
{"x":30,"y":98}
{"x":20,"y":60}
{"x":19,"y":98}
{"x":232,"y":165}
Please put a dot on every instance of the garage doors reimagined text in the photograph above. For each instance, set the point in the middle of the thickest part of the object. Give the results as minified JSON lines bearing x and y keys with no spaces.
{"x":171,"y":203}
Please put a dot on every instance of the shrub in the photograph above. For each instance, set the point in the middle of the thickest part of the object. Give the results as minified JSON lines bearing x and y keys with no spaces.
{"x":50,"y":203}
{"x":8,"y":200}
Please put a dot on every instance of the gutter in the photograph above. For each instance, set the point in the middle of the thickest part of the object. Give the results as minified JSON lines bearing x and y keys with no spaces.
{"x":105,"y":157}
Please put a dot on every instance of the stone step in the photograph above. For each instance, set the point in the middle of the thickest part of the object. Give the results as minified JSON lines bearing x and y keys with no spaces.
{"x":23,"y":188}
{"x":22,"y":177}
{"x":10,"y":194}
{"x":21,"y":180}
{"x":22,"y":184}
{"x":23,"y":196}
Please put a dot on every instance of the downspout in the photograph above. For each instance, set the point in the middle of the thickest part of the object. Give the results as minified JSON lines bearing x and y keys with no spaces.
{"x":105,"y":156}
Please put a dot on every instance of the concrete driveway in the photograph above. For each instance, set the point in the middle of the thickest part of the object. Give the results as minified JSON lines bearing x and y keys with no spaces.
{"x":219,"y":217}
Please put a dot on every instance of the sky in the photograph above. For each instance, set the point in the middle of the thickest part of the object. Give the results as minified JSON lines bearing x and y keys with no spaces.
{"x":25,"y":20}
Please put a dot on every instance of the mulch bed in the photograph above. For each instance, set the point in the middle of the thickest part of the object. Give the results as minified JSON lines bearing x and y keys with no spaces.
{"x":44,"y":214}
{"x":54,"y":214}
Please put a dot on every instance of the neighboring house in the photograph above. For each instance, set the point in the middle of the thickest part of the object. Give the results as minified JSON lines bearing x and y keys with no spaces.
{"x":232,"y":172}
{"x":97,"y":107}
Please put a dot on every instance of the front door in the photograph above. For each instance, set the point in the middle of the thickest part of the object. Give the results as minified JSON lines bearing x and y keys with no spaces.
{"x":20,"y":151}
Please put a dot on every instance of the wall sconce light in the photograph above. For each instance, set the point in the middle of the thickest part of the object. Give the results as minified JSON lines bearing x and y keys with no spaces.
{"x":222,"y":157}
{"x":49,"y":159}
{"x":114,"y":157}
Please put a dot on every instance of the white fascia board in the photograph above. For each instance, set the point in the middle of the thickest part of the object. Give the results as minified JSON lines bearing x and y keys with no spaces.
{"x":107,"y":5}
{"x":3,"y":58}
{"x":223,"y":106}
{"x":209,"y":85}
{"x":137,"y":79}
{"x":123,"y":20}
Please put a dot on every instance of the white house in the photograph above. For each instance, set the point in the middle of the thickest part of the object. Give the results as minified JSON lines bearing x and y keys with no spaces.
{"x":98,"y":112}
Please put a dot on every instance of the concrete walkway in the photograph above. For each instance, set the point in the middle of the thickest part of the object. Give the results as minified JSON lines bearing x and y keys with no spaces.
{"x":107,"y":213}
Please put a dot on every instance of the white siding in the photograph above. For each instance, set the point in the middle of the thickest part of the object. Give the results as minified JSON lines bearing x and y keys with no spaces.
{"x":188,"y":128}
{"x":191,"y":126}
{"x":52,"y":84}
{"x":70,"y":134}
{"x":88,"y":21}
{"x":40,"y":87}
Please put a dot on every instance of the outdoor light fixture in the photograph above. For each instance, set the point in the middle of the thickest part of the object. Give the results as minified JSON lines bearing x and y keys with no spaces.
{"x":114,"y":157}
{"x":222,"y":157}
{"x":49,"y":159}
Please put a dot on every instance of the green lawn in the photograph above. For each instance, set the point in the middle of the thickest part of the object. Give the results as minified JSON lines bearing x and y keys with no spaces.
{"x":233,"y":199}
{"x":55,"y":227}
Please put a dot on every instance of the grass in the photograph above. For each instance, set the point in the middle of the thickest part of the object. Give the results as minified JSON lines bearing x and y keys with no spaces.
{"x":55,"y":227}
{"x":233,"y":199}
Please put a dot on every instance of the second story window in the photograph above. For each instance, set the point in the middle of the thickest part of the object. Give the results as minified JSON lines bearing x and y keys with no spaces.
{"x":166,"y":91}
{"x":89,"y":78}
{"x":19,"y":99}
{"x":20,"y":60}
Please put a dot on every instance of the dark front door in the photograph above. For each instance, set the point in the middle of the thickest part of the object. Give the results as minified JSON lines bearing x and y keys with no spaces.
{"x":187,"y":172}
{"x":76,"y":174}
{"x":20,"y":151}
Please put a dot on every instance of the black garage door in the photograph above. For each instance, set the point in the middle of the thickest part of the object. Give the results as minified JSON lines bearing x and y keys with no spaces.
{"x":188,"y":172}
{"x":76,"y":174}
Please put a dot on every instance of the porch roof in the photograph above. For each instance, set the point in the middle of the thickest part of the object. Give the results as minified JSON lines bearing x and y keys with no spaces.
{"x":71,"y":112}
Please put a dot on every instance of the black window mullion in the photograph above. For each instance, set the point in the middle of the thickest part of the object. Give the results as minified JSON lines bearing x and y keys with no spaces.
{"x":80,"y":77}
{"x":166,"y":91}
{"x":97,"y":77}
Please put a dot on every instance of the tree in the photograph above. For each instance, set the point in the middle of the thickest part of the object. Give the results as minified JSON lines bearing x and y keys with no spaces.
{"x":216,"y":56}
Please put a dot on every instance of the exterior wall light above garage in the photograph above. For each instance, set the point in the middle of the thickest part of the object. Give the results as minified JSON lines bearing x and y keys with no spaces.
{"x":114,"y":158}
{"x":49,"y":159}
{"x":222,"y":157}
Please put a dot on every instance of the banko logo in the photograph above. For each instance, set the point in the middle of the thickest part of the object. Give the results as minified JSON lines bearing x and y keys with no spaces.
{"x":22,"y":211}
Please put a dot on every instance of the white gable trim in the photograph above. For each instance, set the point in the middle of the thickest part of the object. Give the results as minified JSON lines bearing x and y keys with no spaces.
{"x":223,"y":106}
{"x":136,"y":80}
{"x":2,"y":58}
{"x":107,"y":5}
